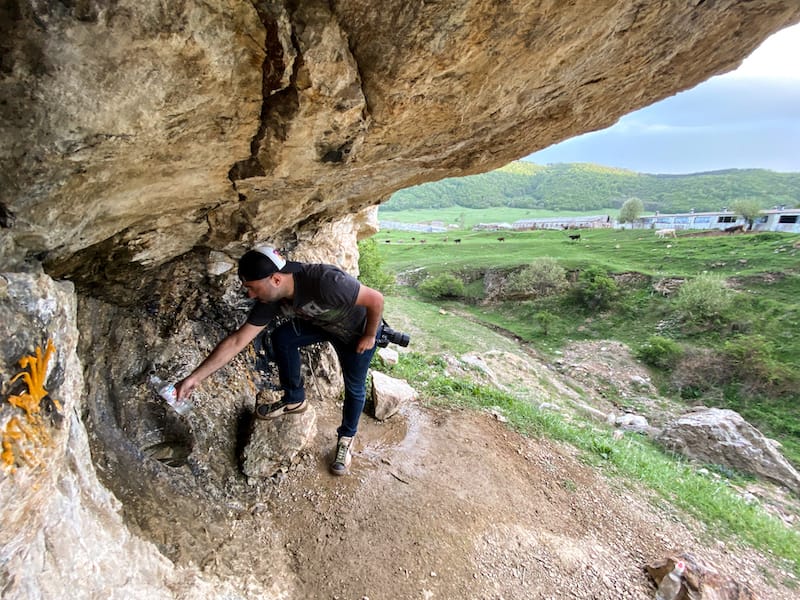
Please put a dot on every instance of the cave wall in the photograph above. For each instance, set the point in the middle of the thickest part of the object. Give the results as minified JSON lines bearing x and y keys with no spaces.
{"x":106,"y":491}
{"x":55,"y":514}
{"x":144,"y":145}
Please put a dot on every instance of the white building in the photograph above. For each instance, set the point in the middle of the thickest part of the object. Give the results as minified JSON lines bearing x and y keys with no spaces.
{"x":590,"y":222}
{"x":777,"y":219}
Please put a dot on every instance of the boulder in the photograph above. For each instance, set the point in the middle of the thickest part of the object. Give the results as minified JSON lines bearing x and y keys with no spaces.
{"x":478,"y":363}
{"x":388,"y":356}
{"x":276,"y":444}
{"x":701,"y":581}
{"x":640,"y":383}
{"x":631,"y":422}
{"x":57,"y":514}
{"x":389,"y":394}
{"x":123,"y":146}
{"x":723,"y":437}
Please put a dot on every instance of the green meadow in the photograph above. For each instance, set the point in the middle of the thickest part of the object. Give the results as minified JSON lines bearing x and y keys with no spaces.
{"x":754,"y":334}
{"x":470,"y":217}
{"x":617,"y":250}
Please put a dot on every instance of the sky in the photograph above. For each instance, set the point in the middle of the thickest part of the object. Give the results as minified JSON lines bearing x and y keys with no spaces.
{"x":747,"y":118}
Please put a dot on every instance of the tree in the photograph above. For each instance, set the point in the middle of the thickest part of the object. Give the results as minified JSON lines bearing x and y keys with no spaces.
{"x":631,"y":210}
{"x":370,"y":267}
{"x":749,"y":209}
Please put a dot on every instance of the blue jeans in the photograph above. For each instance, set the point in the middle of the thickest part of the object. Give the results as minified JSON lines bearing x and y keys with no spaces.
{"x":286,"y":343}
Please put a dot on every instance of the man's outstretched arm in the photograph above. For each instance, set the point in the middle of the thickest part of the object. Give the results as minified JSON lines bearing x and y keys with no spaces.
{"x":219,"y":357}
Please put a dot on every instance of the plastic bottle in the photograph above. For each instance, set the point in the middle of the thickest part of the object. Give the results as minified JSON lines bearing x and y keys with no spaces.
{"x":670,"y":585}
{"x":167,"y":392}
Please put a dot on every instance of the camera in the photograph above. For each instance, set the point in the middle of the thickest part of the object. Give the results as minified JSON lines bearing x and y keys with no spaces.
{"x":390,"y":335}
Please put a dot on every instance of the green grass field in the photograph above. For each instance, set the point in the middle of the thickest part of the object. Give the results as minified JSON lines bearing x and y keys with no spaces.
{"x":763,"y":269}
{"x":617,"y":250}
{"x":468,"y":218}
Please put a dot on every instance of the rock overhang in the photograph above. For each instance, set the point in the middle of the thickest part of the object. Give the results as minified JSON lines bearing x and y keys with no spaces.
{"x":134,"y":133}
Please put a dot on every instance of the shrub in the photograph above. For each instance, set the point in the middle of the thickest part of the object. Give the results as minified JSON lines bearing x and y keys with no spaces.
{"x":370,"y":267}
{"x":545,"y":320}
{"x":748,"y":363}
{"x":595,"y":289}
{"x":660,"y":352}
{"x":445,"y":285}
{"x":698,"y":371}
{"x":543,"y":277}
{"x":756,"y":369}
{"x":704,"y":300}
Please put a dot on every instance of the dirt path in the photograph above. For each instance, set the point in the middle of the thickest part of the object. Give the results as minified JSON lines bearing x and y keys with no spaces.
{"x":451,"y":504}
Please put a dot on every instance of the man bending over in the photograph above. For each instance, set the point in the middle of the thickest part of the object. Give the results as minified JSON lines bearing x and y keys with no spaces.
{"x":324,"y":304}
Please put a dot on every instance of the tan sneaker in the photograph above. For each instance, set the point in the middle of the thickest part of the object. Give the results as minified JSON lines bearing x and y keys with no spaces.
{"x":281,"y":407}
{"x":341,"y":463}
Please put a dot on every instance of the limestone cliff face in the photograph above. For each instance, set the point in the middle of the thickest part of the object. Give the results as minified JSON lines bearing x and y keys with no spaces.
{"x":135,"y":131}
{"x":144,"y":145}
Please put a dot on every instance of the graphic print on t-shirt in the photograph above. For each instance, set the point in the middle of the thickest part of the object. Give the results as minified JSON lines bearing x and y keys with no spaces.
{"x":311,"y":309}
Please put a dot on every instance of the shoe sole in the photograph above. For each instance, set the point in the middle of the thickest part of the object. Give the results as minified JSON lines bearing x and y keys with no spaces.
{"x":283,"y":410}
{"x":341,"y":472}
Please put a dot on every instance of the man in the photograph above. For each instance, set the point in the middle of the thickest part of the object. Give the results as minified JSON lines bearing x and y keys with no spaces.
{"x":326,"y":304}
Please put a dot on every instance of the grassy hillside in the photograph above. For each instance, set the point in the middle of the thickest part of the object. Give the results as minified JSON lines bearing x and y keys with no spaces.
{"x":587,"y":187}
{"x":744,"y":358}
{"x":752,"y":341}
{"x":467,"y":218}
{"x":615,"y":249}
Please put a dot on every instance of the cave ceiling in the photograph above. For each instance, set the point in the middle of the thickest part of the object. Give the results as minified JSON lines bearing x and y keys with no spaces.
{"x":136,"y":131}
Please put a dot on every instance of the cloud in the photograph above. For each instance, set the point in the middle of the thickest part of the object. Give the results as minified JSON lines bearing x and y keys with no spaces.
{"x":776,"y":58}
{"x":723,"y":100}
{"x":749,"y":118}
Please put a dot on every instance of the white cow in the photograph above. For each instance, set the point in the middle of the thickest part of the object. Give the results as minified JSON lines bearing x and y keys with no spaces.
{"x":662,"y":233}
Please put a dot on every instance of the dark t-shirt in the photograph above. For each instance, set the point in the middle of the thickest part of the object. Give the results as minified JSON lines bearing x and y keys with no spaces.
{"x":324,"y":295}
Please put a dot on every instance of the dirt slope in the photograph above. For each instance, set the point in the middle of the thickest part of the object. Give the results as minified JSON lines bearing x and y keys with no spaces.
{"x":446,"y":504}
{"x":451,"y":504}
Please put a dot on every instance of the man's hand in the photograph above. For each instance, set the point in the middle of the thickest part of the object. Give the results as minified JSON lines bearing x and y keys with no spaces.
{"x":365,"y":342}
{"x":185,"y":387}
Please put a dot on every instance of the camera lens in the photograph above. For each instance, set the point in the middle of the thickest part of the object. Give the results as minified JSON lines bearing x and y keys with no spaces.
{"x":400,"y":338}
{"x":396,"y":337}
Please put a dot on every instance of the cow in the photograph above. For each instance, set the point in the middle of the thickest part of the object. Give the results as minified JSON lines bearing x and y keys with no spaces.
{"x":575,"y":237}
{"x":662,"y":233}
{"x":501,"y":239}
{"x":457,"y":240}
{"x":734,"y":229}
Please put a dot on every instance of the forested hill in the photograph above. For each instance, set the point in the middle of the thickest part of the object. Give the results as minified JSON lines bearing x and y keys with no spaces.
{"x":581,"y":186}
